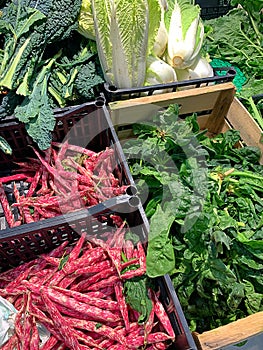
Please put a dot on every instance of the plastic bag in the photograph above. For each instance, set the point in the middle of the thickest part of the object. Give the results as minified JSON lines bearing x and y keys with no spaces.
{"x":7,"y":321}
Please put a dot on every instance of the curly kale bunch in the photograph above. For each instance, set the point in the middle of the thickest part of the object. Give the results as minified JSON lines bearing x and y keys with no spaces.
{"x":44,"y":63}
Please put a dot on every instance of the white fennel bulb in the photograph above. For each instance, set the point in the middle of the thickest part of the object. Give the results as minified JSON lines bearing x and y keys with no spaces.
{"x":161,"y":39}
{"x":199,"y":70}
{"x":185,"y":33}
{"x":159,"y":72}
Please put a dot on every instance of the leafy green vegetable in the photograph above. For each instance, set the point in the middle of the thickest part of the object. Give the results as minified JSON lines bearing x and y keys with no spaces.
{"x":76,"y":73}
{"x":206,"y":216}
{"x":160,"y":255}
{"x":44,"y":63}
{"x":28,"y":30}
{"x":35,"y":111}
{"x":4,"y":146}
{"x":136,"y":295}
{"x":122,"y":55}
{"x":87,"y":78}
{"x":185,"y":33}
{"x":235,"y":42}
{"x":237,"y":38}
{"x":9,"y":103}
{"x":18,"y":24}
{"x":85,"y":20}
{"x":253,"y":9}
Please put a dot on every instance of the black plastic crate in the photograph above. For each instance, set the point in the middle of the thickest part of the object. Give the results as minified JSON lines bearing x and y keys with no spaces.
{"x":221,"y":75}
{"x":257,"y":98}
{"x":213,"y":8}
{"x":17,"y":246}
{"x":184,"y":339}
{"x":14,"y":132}
{"x":26,"y":242}
{"x":92,"y":129}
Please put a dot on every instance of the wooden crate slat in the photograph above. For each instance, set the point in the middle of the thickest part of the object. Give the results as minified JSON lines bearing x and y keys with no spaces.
{"x":231,"y":333}
{"x":241,"y":120}
{"x":195,"y":100}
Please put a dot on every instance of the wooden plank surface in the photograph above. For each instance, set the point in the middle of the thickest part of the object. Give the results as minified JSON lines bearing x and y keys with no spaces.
{"x":216,"y":119}
{"x":241,"y":120}
{"x":232,"y":333}
{"x":193,"y":100}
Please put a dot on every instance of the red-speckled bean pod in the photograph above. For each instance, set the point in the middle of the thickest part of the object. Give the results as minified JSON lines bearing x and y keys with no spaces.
{"x":88,"y":299}
{"x":62,"y":326}
{"x":94,"y":280}
{"x":102,"y":330}
{"x":107,"y":282}
{"x":6,"y":208}
{"x":122,"y":304}
{"x":152,"y":338}
{"x":50,"y":343}
{"x":34,"y":183}
{"x":11,"y":343}
{"x":93,"y":312}
{"x":35,"y":339}
{"x":161,"y":314}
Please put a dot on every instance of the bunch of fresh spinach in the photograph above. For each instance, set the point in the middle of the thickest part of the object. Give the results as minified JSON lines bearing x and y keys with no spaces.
{"x":204,"y":203}
{"x":237,"y":38}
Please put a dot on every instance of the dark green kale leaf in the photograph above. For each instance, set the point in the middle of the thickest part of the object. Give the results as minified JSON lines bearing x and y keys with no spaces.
{"x":9,"y":103}
{"x":27,"y":32}
{"x":61,"y":17}
{"x":22,"y":47}
{"x":35,"y":110}
{"x":76,"y":75}
{"x":86,"y":80}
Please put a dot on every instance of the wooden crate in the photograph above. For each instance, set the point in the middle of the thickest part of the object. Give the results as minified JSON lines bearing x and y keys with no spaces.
{"x":218,"y":110}
{"x":217,"y":107}
{"x":240,"y":119}
{"x":231,"y":333}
